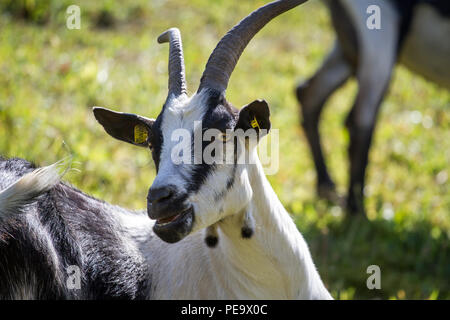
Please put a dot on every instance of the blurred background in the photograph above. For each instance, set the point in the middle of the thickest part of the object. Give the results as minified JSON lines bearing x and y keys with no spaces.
{"x":50,"y":77}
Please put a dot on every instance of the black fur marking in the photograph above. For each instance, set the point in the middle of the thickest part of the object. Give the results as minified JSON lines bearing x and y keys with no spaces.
{"x":219,"y":115}
{"x":77,"y":229}
{"x":229,"y":185}
{"x":246,"y":232}
{"x":345,"y":31}
{"x":230,"y":181}
{"x":211,"y":241}
{"x":111,"y":271}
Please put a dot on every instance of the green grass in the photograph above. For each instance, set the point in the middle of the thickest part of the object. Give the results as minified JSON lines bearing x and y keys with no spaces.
{"x":50,"y":77}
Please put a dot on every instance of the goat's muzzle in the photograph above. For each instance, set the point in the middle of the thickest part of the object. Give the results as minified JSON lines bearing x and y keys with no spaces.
{"x":173,"y":214}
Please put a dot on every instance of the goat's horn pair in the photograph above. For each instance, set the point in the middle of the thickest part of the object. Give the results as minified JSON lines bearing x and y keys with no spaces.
{"x":225,"y":56}
{"x":177,"y":77}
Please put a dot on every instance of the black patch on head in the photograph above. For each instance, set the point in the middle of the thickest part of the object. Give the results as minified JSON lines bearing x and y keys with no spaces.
{"x":221,"y":115}
{"x":246,"y":232}
{"x":211,"y":241}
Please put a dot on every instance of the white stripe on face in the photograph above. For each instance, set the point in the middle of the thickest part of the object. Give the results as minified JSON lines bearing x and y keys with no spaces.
{"x":180,"y":113}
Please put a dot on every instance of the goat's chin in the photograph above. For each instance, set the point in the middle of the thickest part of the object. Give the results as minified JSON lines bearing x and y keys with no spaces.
{"x":176,"y":230}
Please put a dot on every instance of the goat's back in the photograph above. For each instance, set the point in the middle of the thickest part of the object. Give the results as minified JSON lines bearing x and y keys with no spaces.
{"x":61,"y":231}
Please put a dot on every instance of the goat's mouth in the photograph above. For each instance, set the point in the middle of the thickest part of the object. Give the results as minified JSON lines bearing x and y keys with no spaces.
{"x":174,"y":228}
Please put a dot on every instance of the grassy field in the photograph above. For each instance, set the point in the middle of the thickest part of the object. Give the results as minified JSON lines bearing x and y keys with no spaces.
{"x":51,"y":76}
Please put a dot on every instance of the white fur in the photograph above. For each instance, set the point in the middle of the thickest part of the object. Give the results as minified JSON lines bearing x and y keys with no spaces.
{"x":274,"y":264}
{"x":24,"y":191}
{"x":179,"y":113}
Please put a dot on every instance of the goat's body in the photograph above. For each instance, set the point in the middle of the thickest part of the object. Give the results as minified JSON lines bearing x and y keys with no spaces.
{"x":412,"y":32}
{"x":63,"y":228}
{"x":119,"y":256}
{"x":424,"y":50}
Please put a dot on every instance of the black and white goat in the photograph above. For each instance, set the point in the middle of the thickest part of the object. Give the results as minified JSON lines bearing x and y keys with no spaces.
{"x":413,"y":32}
{"x":123,"y":254}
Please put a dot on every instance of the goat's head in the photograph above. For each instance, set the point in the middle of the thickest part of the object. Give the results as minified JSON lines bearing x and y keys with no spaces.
{"x":193,"y":195}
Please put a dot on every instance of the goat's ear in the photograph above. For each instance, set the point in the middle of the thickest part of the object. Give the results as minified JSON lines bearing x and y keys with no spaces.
{"x":127,"y":127}
{"x":255,"y":115}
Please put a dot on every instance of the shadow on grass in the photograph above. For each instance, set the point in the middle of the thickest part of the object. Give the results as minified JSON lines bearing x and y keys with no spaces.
{"x":414,"y":264}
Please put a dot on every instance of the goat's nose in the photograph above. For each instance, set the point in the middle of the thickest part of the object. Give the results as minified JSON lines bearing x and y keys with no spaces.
{"x":160,"y":194}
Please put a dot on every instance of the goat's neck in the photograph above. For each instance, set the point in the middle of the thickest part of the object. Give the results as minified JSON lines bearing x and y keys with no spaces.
{"x":275,"y":262}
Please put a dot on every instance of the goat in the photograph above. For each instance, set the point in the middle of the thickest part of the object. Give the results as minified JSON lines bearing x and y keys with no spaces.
{"x":124,"y":254}
{"x":414,"y":33}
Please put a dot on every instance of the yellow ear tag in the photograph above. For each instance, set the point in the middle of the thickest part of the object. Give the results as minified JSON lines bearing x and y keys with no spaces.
{"x":254,"y":123}
{"x":140,"y":134}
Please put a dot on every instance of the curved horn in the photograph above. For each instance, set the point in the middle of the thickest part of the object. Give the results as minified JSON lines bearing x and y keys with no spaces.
{"x":225,"y":56}
{"x":177,"y":78}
